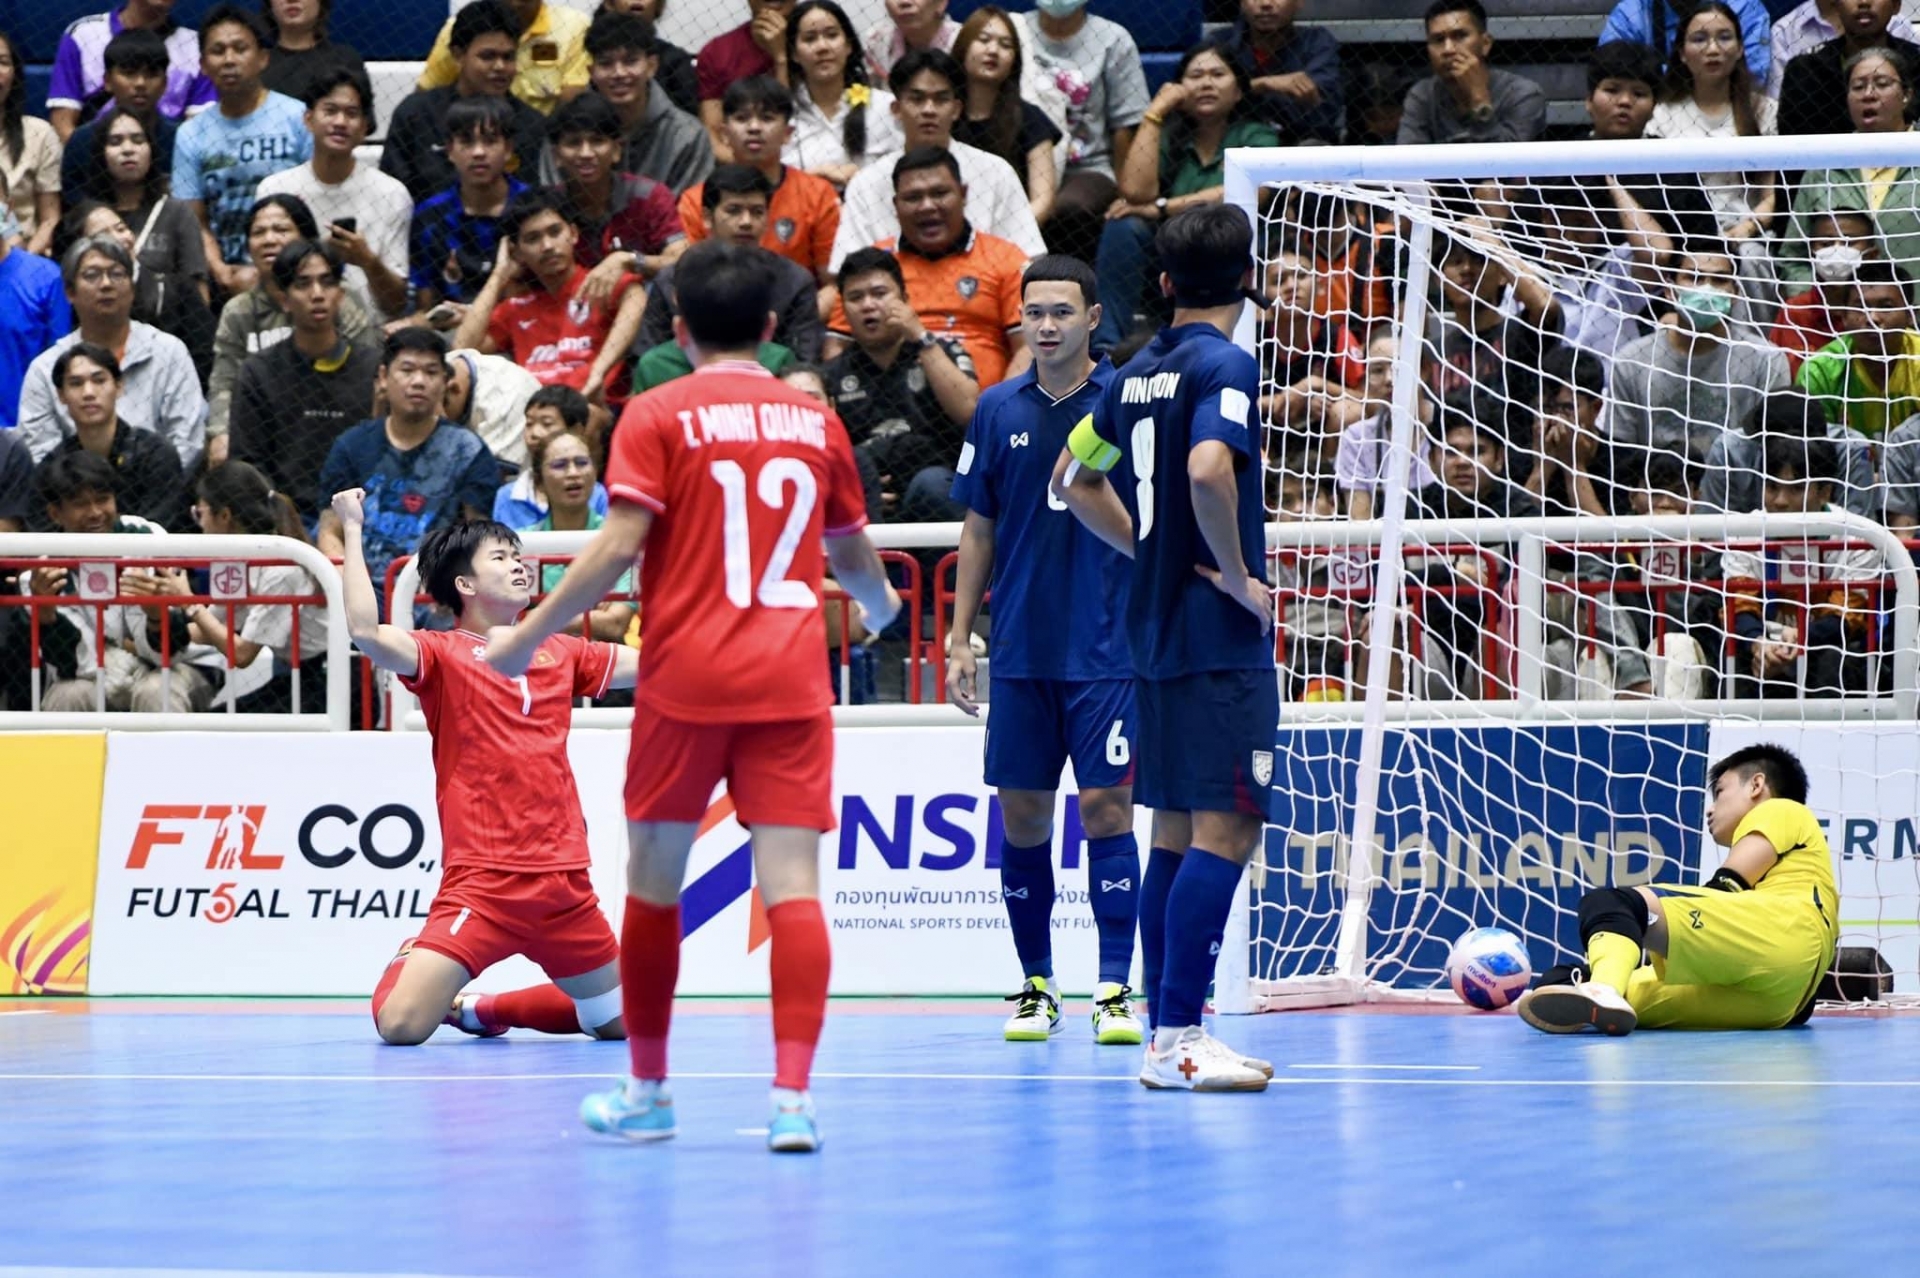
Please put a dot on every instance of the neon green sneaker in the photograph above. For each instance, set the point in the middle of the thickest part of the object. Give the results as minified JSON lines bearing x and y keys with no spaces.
{"x":1113,"y":1018}
{"x":1036,"y":1013}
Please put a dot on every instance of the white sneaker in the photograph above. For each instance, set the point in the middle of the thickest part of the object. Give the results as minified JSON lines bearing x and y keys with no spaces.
{"x":1199,"y":1062}
{"x":1569,"y":1009}
{"x":1036,"y":1013}
{"x":1113,"y":1018}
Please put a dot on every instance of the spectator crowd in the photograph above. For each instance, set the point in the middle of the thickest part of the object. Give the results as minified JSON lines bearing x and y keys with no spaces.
{"x":217,"y":307}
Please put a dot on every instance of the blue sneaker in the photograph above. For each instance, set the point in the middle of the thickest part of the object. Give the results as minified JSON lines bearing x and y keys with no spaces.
{"x":643,"y":1113}
{"x":792,"y":1130}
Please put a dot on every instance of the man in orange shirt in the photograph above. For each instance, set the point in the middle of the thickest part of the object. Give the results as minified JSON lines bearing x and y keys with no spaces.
{"x":961,"y":282}
{"x":805,"y":213}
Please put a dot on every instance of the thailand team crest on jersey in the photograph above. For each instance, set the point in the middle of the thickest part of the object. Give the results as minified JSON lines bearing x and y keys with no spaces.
{"x":967,"y":286}
{"x":916,"y":379}
{"x":783,"y":230}
{"x":578,"y":311}
{"x":1262,"y":767}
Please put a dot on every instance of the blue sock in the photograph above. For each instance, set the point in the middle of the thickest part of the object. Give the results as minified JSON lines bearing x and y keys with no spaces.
{"x":1026,"y":885}
{"x":1196,"y":918}
{"x":1113,"y":883}
{"x":1162,"y":866}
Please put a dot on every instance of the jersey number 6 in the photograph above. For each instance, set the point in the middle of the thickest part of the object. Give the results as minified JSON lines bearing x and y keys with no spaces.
{"x":775,"y":591}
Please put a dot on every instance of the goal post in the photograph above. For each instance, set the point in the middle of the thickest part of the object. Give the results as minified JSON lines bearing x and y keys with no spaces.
{"x":1574,"y":486}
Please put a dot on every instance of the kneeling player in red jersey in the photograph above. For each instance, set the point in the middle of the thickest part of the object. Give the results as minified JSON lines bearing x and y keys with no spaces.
{"x":513,"y":839}
{"x":732,"y":481}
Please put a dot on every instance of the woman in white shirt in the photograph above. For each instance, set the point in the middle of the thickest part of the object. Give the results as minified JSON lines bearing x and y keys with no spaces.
{"x":1712,"y":94}
{"x":840,"y":122}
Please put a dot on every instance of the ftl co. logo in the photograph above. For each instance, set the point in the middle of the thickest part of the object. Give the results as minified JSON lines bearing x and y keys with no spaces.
{"x":230,"y":844}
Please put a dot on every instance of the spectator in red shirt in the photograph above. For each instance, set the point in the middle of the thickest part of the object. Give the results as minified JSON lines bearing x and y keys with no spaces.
{"x":627,"y":224}
{"x":757,"y":46}
{"x":550,"y":328}
{"x":805,"y":213}
{"x":1836,"y":243}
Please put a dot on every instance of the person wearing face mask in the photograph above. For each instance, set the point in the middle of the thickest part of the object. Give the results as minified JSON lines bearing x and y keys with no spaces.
{"x":1880,"y":100}
{"x":1869,"y":378}
{"x":1839,"y":240}
{"x":1682,"y":386}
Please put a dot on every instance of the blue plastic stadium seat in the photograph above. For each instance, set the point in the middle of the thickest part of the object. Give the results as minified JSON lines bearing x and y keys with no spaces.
{"x":1156,"y":24}
{"x":1159,"y":68}
{"x":38,"y":79}
{"x":36,"y":24}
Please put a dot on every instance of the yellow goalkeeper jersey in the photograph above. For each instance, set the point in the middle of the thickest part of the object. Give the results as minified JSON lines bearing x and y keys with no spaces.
{"x":1804,"y":871}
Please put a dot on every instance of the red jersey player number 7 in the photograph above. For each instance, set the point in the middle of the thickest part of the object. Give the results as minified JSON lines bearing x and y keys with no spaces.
{"x":735,"y":484}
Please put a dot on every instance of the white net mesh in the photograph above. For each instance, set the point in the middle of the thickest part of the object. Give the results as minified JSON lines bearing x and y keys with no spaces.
{"x":1638,"y":455}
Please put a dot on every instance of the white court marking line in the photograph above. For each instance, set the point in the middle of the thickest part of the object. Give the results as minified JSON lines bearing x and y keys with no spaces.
{"x":967,"y":1078}
{"x":1461,"y":1068}
{"x":31,"y":1011}
{"x":62,"y":1271}
{"x":750,"y":1131}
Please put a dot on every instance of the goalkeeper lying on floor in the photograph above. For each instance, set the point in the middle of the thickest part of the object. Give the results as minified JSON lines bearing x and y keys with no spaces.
{"x":1745,"y":951}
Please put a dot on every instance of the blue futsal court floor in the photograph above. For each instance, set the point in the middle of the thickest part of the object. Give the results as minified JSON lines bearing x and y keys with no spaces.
{"x":281,"y":1138}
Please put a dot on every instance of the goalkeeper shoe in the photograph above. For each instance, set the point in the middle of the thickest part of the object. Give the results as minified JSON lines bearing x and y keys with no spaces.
{"x":465,"y":1017}
{"x":1568,"y":1009}
{"x":793,"y":1128}
{"x":1113,"y":1018}
{"x":635,"y":1109}
{"x":1036,"y":1012}
{"x":1198,"y":1062}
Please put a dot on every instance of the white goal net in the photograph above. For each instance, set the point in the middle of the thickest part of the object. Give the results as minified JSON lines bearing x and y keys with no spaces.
{"x":1588,"y":463}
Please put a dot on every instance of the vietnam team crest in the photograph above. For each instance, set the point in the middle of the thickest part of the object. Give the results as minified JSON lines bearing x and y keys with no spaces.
{"x":967,"y":287}
{"x":1263,"y":767}
{"x":783,"y":229}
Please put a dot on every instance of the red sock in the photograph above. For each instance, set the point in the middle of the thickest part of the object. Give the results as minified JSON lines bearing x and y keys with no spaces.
{"x":649,"y":969}
{"x":801,"y":961}
{"x":546,"y":1008}
{"x":388,"y":979}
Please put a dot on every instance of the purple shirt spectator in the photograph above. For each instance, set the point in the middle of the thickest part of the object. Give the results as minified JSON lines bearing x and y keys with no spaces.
{"x":80,"y":67}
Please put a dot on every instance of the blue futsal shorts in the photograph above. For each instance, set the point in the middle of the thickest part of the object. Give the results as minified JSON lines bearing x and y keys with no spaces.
{"x":1206,"y":742}
{"x":1035,"y":725}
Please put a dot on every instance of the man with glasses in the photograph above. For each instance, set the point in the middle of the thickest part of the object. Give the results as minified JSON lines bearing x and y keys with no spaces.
{"x":364,"y":213}
{"x":160,"y":391}
{"x":293,"y":399}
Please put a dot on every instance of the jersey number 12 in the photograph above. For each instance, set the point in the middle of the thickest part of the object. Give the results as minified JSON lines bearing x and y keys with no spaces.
{"x":775,"y":590}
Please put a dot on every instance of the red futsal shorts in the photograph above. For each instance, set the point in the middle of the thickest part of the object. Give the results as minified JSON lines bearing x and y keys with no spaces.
{"x":481,"y":916}
{"x":776,"y":773}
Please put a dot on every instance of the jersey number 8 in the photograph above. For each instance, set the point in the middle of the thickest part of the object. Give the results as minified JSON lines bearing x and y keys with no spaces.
{"x":775,"y":591}
{"x":1143,"y":475}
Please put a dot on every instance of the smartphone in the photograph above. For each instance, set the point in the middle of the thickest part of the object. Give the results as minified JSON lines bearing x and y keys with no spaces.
{"x":347,"y":224}
{"x":445,"y":315}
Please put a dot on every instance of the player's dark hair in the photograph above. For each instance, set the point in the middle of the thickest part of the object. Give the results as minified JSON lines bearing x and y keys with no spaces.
{"x":344,"y":77}
{"x":93,"y":354}
{"x":733,"y":179}
{"x":64,"y":476}
{"x":757,"y":92}
{"x":135,"y":49}
{"x":483,"y":116}
{"x":1798,"y":459}
{"x":1061,"y":268}
{"x":293,"y":206}
{"x":233,"y":15}
{"x":565,"y":400}
{"x":245,"y":494}
{"x":917,"y":61}
{"x":447,"y":552}
{"x":1207,"y":251}
{"x":286,"y":267}
{"x":1472,"y":8}
{"x":725,"y":293}
{"x":1785,"y":775}
{"x":620,"y":32}
{"x":487,"y":17}
{"x":1623,"y":60}
{"x":588,"y":114}
{"x":866,"y":261}
{"x":927,"y":157}
{"x":423,"y":341}
{"x":526,"y":206}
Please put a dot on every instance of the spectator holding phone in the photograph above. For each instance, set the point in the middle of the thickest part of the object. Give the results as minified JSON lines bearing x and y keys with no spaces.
{"x":364,"y":212}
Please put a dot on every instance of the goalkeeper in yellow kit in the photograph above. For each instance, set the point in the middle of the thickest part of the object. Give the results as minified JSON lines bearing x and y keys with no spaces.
{"x":1746,"y":950}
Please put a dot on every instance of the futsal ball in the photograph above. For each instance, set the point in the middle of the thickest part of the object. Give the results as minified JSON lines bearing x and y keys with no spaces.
{"x":1489,"y":968}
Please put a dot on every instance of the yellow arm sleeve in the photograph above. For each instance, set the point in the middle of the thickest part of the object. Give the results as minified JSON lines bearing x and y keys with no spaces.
{"x":1089,"y":449}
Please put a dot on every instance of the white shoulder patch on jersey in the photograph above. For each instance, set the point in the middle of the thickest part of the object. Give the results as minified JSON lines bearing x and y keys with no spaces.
{"x":1233,"y":405}
{"x":966,"y":458}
